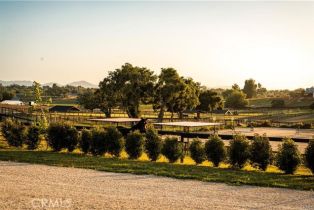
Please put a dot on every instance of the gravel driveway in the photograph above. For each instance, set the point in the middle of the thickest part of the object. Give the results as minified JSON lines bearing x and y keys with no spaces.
{"x":28,"y":186}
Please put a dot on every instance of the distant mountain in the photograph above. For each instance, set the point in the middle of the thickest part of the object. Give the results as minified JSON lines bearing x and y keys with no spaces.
{"x":30,"y":83}
{"x":17,"y":82}
{"x":83,"y":84}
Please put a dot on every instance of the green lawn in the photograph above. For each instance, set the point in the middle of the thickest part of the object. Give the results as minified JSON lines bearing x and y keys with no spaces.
{"x":180,"y":171}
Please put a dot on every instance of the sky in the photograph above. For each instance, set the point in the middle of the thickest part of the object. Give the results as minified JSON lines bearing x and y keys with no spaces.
{"x":216,"y":43}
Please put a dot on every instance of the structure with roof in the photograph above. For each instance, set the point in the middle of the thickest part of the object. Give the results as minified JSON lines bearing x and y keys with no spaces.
{"x":61,"y":108}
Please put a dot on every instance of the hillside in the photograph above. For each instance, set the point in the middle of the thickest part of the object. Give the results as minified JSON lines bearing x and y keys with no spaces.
{"x":83,"y":84}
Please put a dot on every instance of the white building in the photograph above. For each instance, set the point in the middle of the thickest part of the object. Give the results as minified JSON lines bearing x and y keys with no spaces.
{"x":12,"y":102}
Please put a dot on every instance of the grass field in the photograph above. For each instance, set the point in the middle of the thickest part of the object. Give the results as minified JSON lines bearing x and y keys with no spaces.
{"x":180,"y":171}
{"x":266,"y":102}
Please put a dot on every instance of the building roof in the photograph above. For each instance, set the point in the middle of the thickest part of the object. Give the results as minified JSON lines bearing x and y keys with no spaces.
{"x":189,"y":124}
{"x":60,"y":108}
{"x":116,"y":120}
{"x":12,"y":102}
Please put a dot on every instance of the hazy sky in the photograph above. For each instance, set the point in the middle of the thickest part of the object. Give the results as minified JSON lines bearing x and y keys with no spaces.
{"x":216,"y":43}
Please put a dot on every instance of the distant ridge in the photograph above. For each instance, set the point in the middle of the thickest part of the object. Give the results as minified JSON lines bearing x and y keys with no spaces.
{"x":81,"y":83}
{"x":17,"y":82}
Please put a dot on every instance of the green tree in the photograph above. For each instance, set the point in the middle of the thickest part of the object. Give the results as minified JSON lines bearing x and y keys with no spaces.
{"x":236,"y":100}
{"x":288,"y":156}
{"x":5,"y":94}
{"x":250,"y":88}
{"x":37,"y":94}
{"x":188,"y":97}
{"x":239,"y":151}
{"x":127,"y":87}
{"x":278,"y":103}
{"x":174,"y":93}
{"x":167,"y":90}
{"x":261,"y":152}
{"x":90,"y":100}
{"x":197,"y":151}
{"x":209,"y":100}
{"x":215,"y":150}
{"x":235,"y":86}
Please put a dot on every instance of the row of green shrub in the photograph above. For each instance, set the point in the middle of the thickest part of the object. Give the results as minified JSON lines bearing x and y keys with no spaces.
{"x":258,"y":152}
{"x":101,"y":141}
{"x":18,"y":134}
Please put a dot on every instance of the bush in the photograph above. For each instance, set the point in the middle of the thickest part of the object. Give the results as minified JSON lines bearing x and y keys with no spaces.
{"x":134,"y":144}
{"x":33,"y":137}
{"x":114,"y":141}
{"x":312,"y":106}
{"x":153,"y":144}
{"x":172,"y":149}
{"x":197,"y":151}
{"x":288,"y":157}
{"x":239,"y":151}
{"x":306,"y":126}
{"x":98,"y":144}
{"x":261,"y":152}
{"x":85,"y":141}
{"x":14,"y":132}
{"x":309,"y":155}
{"x":62,"y":136}
{"x":278,"y":103}
{"x":215,"y":150}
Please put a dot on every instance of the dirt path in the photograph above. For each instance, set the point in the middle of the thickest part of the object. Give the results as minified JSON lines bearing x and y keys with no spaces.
{"x":28,"y":186}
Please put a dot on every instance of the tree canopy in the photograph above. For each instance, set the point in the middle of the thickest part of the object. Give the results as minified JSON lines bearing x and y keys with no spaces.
{"x":209,"y":100}
{"x":250,"y":88}
{"x":236,"y":100}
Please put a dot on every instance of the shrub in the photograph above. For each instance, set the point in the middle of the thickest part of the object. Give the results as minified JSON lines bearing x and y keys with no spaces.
{"x":172,"y":149}
{"x":312,"y":106}
{"x":33,"y":137}
{"x":306,"y":126}
{"x":14,"y":132}
{"x":197,"y":151}
{"x":153,"y":144}
{"x":134,"y":144}
{"x":278,"y":103}
{"x":85,"y":141}
{"x":62,"y":136}
{"x":309,"y":155}
{"x":239,"y":151}
{"x":215,"y":150}
{"x":114,"y":141}
{"x":261,"y":152}
{"x":288,"y":157}
{"x":98,"y":144}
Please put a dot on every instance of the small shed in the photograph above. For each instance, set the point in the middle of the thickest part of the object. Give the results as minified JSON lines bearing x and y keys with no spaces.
{"x":60,"y":108}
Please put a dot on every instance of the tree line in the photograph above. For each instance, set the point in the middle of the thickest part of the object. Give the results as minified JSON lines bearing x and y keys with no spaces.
{"x":26,"y":94}
{"x":129,"y":86}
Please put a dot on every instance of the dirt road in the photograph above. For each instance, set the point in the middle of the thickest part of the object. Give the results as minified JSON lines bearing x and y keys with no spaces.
{"x":28,"y":186}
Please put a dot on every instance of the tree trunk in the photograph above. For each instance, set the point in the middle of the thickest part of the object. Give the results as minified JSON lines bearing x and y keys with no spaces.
{"x":180,"y":115}
{"x":161,"y":114}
